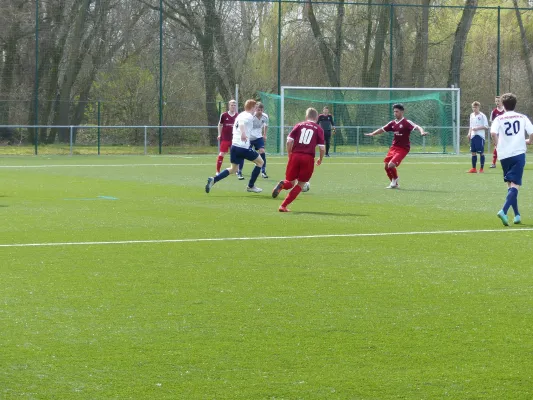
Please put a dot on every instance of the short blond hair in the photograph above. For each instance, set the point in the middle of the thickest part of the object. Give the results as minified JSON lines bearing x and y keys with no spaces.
{"x":476,"y":104}
{"x":311,"y":113}
{"x":250,"y":104}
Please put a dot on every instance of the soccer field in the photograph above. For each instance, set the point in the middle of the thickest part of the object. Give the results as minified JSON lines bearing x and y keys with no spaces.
{"x":121,"y":278}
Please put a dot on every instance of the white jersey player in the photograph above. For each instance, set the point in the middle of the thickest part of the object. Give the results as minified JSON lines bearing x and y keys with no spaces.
{"x":508,"y":132}
{"x":258,"y":137}
{"x":476,"y":135}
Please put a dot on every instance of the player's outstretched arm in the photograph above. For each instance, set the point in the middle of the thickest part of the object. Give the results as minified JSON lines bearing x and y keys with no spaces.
{"x":422,"y":131}
{"x":376,"y":132}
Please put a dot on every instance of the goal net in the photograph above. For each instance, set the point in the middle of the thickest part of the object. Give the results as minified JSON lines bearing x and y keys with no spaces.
{"x":357,"y":111}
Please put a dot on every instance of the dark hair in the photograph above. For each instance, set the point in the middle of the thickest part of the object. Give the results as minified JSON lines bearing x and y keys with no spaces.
{"x":398,"y":106}
{"x":260,"y":105}
{"x":508,"y":101}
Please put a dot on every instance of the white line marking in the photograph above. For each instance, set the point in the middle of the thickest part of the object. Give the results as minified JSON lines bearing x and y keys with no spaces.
{"x":209,"y":164}
{"x":347,"y":235}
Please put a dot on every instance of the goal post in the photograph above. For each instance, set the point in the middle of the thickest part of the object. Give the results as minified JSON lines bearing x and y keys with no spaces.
{"x":360,"y":110}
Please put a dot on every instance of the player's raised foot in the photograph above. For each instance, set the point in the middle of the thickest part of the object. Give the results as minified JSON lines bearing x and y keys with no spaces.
{"x":277,"y":190}
{"x":239,"y":176}
{"x":492,"y":165}
{"x":517,"y":220}
{"x":264,"y":175}
{"x":481,"y":170}
{"x":283,"y":209}
{"x":210,"y":183}
{"x":472,"y":171}
{"x":505,"y":219}
{"x":254,"y":189}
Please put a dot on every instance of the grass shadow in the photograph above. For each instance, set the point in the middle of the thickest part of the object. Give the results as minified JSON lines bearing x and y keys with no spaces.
{"x":329,"y":214}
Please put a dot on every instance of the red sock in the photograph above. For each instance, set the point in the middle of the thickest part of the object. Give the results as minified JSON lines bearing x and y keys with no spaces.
{"x":287,"y":185}
{"x":494,"y":156}
{"x":220,"y":159}
{"x":292,"y":195}
{"x":389,"y":174}
{"x":394,"y":173}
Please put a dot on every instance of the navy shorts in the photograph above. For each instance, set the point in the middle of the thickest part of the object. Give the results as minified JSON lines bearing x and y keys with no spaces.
{"x":513,"y":168}
{"x":237,"y":154}
{"x":477,"y":144}
{"x":258,"y":143}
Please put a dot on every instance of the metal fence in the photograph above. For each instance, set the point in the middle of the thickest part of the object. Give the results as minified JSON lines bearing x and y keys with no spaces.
{"x":176,"y":63}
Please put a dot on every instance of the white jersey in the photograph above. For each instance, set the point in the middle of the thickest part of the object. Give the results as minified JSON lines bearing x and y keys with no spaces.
{"x":511,"y":128}
{"x":258,"y":124}
{"x":245,"y":118}
{"x":479,"y":120}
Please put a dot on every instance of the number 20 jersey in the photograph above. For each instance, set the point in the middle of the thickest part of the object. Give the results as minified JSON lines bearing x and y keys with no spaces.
{"x":511,"y":128}
{"x":306,"y":136}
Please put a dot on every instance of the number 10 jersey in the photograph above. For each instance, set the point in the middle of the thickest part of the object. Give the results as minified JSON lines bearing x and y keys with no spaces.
{"x":306,"y":136}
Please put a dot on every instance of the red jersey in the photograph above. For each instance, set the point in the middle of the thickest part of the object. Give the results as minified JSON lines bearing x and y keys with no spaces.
{"x":306,"y":136}
{"x":227,"y":122}
{"x":495,"y":113}
{"x":402,"y":131}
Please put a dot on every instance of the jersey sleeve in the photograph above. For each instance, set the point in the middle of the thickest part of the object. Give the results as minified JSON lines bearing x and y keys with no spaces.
{"x":388,"y":127}
{"x":221,"y":119}
{"x":266,"y":119}
{"x":332,"y":122}
{"x":320,"y":138}
{"x":485,"y":122}
{"x":292,"y":134}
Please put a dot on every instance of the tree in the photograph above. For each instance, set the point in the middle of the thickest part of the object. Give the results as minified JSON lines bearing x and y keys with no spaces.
{"x":461,"y":34}
{"x":526,"y":50}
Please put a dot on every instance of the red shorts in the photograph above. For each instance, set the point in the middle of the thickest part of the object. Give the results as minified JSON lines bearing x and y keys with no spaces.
{"x":396,"y":155}
{"x":225,"y":146}
{"x":300,"y":167}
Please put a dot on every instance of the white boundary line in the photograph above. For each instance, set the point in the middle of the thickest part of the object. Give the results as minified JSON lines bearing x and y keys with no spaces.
{"x":347,"y":235}
{"x":210,"y":164}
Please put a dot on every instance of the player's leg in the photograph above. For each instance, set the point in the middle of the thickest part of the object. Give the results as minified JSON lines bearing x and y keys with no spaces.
{"x":306,"y":168}
{"x":224,"y":148}
{"x":327,"y":139}
{"x":235,"y":157}
{"x":494,"y":158}
{"x":259,"y":145}
{"x":239,"y":170}
{"x":474,"y":149}
{"x":387,"y":160}
{"x":513,"y":168}
{"x":253,"y":156}
{"x":291,"y":175}
{"x":394,"y":163}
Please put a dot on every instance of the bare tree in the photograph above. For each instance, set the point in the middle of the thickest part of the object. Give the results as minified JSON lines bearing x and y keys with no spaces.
{"x":461,"y":34}
{"x":420,"y":58}
{"x":526,"y":50}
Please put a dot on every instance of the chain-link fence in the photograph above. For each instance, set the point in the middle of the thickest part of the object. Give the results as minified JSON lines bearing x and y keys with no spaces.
{"x":177,"y":63}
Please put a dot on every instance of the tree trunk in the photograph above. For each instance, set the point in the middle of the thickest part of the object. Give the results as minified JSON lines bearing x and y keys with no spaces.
{"x":6,"y":84}
{"x":420,"y":57}
{"x":372,"y":76}
{"x":398,"y":49}
{"x":526,"y":50}
{"x":461,"y":34}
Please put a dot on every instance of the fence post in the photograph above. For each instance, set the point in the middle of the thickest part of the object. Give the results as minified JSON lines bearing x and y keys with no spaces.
{"x":498,"y":56}
{"x":98,"y":118}
{"x":71,"y":138}
{"x":145,"y":140}
{"x":357,"y":132}
{"x":36,"y":94}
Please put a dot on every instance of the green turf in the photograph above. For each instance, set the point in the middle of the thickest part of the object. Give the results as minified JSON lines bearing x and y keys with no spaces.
{"x":446,"y":315}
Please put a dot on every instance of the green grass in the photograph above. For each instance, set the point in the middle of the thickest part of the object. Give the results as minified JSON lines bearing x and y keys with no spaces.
{"x":432,"y":316}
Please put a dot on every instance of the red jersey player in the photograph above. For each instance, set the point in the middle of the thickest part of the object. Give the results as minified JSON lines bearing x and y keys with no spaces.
{"x":225,"y":131}
{"x":301,"y":148}
{"x":499,"y":110}
{"x":401,"y":144}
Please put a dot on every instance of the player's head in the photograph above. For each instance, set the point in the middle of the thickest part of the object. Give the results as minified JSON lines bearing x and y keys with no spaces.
{"x":398,"y":110}
{"x":259,"y":108}
{"x":311,"y":114}
{"x":250,"y":105}
{"x":498,"y":101}
{"x":232,"y":106}
{"x":476,"y":105}
{"x":508,"y":101}
{"x":325,"y":110}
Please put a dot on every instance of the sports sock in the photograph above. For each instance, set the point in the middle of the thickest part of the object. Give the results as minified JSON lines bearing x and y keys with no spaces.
{"x":263,"y":168}
{"x":388,"y":171}
{"x":291,"y":196}
{"x":482,"y":160}
{"x":494,"y":156}
{"x":220,"y":160}
{"x":287,"y":185}
{"x":512,"y":193}
{"x":514,"y":204}
{"x":222,"y":175}
{"x":241,"y":166}
{"x":255,"y":174}
{"x":394,"y":173}
{"x":474,"y":161}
